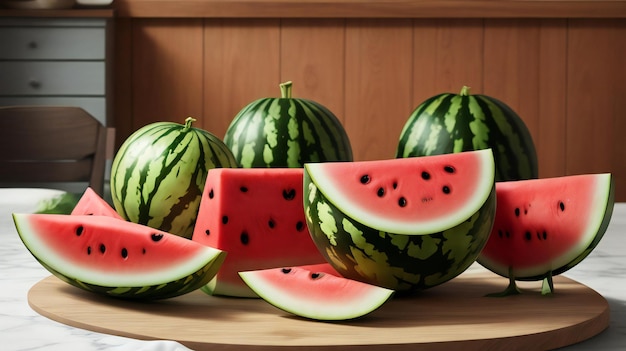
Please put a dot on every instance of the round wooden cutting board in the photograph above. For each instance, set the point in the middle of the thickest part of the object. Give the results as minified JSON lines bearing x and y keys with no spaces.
{"x":455,"y":315}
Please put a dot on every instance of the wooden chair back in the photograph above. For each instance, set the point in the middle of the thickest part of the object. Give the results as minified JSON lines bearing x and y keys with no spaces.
{"x":48,"y":144}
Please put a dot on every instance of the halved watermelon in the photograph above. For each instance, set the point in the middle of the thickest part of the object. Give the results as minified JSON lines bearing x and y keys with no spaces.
{"x":90,"y":203}
{"x":544,"y":227}
{"x":257,"y":216}
{"x":404,"y":224}
{"x":117,"y":258}
{"x":312,"y":294}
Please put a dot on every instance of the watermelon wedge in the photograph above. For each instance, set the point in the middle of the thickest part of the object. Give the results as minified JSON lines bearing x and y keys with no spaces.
{"x":257,"y":216}
{"x":117,"y":258}
{"x":311,"y":294}
{"x":90,"y":203}
{"x":544,"y":227}
{"x":404,"y":224}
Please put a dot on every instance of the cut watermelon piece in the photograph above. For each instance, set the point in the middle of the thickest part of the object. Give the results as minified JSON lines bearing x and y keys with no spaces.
{"x":117,"y":258}
{"x":403,"y":224}
{"x":257,"y":216}
{"x":544,"y":227}
{"x":315,"y":295}
{"x":405,"y":196}
{"x":90,"y":203}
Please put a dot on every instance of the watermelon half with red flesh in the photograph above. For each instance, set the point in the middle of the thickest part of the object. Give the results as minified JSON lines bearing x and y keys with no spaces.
{"x":257,"y":216}
{"x":311,"y":292}
{"x":544,"y":227}
{"x":404,"y":224}
{"x":90,"y":203}
{"x":109,"y":256}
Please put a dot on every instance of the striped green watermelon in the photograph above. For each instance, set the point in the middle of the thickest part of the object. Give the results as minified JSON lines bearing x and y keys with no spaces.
{"x":448,"y":123}
{"x":404,"y":224}
{"x":159,"y":173}
{"x":286,"y":132}
{"x":108,"y":256}
{"x":544,"y":227}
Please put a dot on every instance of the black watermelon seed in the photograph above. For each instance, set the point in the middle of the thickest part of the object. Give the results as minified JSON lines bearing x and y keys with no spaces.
{"x":528,"y":235}
{"x":380,"y":192}
{"x":271,"y":223}
{"x":500,"y":234}
{"x":402,"y":202}
{"x":561,"y":206}
{"x":544,"y":235}
{"x":88,"y":250}
{"x":207,"y":232}
{"x":211,"y":194}
{"x":507,"y":234}
{"x":156,"y":236}
{"x":365,"y":179}
{"x":289,"y":194}
{"x":449,"y":169}
{"x":102,"y":248}
{"x":446,"y":189}
{"x":79,"y":230}
{"x":286,"y":270}
{"x":516,"y":212}
{"x":243,"y":189}
{"x":395,"y":185}
{"x":425,"y":175}
{"x":124,"y":253}
{"x":244,"y":238}
{"x":299,"y":226}
{"x":315,"y":275}
{"x":224,"y":219}
{"x":143,"y":251}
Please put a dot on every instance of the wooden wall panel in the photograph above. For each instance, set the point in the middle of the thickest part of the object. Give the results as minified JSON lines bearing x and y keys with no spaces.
{"x":378,"y":85}
{"x":121,"y":104}
{"x":447,"y":55}
{"x":167,"y":70}
{"x":241,"y":64}
{"x":596,"y":99}
{"x":312,"y":55}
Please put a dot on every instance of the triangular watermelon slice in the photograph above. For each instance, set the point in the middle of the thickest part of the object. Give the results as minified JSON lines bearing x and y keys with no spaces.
{"x":90,"y":203}
{"x":544,"y":227}
{"x":117,"y":258}
{"x":312,"y":293}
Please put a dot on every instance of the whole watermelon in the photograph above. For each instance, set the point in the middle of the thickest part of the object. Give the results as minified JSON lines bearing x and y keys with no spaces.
{"x":450,"y":123}
{"x":158,"y":174}
{"x":286,"y":132}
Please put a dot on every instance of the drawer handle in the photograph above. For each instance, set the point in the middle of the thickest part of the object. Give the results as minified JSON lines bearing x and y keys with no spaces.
{"x":32,"y":44}
{"x":35,"y":84}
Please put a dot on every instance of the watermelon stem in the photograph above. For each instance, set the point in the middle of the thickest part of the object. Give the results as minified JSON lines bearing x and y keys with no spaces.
{"x":547,"y":285}
{"x":188,"y":122}
{"x":285,"y":90}
{"x":465,"y":91}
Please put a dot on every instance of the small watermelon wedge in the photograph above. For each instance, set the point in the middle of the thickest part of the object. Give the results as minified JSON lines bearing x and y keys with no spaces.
{"x":311,"y":292}
{"x":108,"y":256}
{"x":90,"y":203}
{"x":544,"y":227}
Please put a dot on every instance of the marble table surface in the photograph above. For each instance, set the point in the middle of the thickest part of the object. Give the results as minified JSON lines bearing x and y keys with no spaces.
{"x":23,"y":329}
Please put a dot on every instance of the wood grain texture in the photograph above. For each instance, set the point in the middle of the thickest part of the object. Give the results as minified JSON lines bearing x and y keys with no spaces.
{"x":453,"y":316}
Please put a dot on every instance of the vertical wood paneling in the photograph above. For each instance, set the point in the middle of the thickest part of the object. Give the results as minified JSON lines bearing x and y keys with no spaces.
{"x":596,"y":98}
{"x":313,"y":57}
{"x":550,"y":134}
{"x":447,"y":55}
{"x":122,"y":102}
{"x":241,"y":64}
{"x":166,"y":70}
{"x":378,"y":85}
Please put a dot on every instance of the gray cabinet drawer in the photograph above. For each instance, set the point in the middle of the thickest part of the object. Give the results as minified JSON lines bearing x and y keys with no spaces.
{"x":31,"y":43}
{"x":52,"y":78}
{"x":96,"y":106}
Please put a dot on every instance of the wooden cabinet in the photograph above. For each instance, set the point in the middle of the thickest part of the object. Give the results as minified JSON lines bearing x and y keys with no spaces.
{"x":55,"y":61}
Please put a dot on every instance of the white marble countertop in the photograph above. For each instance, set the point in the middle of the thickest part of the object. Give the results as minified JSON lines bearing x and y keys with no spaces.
{"x":23,"y":329}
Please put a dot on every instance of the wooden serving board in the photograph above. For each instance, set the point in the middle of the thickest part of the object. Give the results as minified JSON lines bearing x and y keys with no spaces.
{"x":454,"y":315}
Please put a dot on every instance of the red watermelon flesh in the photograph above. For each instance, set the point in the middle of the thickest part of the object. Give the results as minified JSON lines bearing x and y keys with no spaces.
{"x":257,"y":216}
{"x":90,"y":203}
{"x":546,"y":226}
{"x":429,"y":194}
{"x":307,"y":292}
{"x":104,"y":252}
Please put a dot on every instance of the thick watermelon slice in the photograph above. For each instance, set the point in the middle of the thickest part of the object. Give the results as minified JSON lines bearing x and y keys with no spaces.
{"x":257,"y":216}
{"x":404,"y":224}
{"x":117,"y":258}
{"x":544,"y":227}
{"x":90,"y":203}
{"x":312,"y":294}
